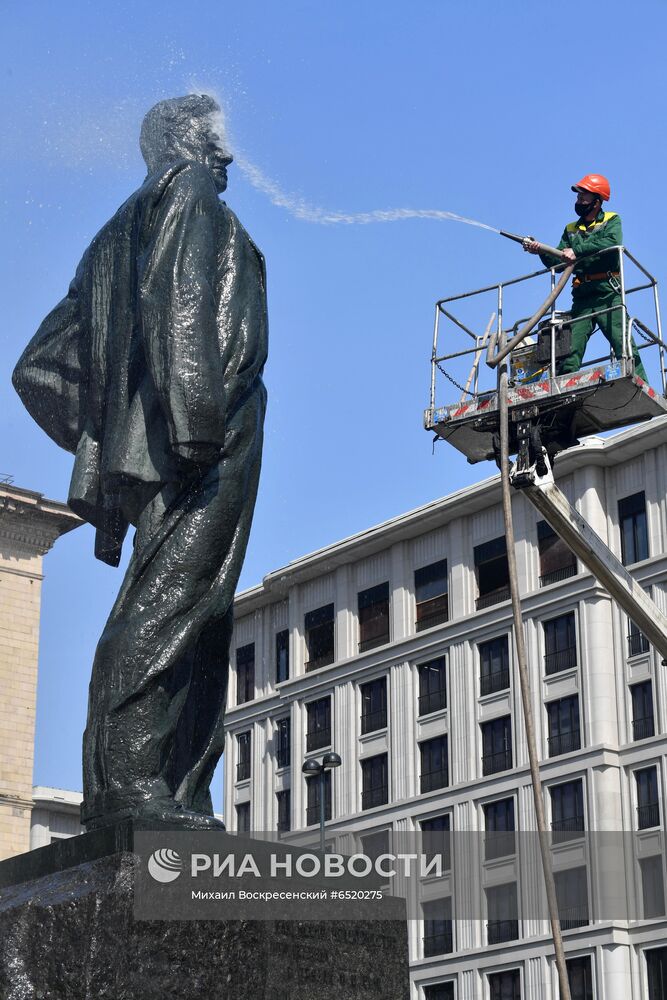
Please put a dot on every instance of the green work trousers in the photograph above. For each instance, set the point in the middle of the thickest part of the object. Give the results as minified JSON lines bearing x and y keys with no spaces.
{"x":586,"y":300}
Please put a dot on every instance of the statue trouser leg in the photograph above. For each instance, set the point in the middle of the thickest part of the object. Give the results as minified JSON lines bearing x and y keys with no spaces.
{"x":159,"y":680}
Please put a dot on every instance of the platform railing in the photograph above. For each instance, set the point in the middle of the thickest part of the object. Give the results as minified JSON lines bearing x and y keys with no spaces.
{"x":444,"y":310}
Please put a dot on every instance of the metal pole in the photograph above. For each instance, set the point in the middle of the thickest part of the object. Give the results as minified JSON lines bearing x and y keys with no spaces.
{"x":659,"y":329}
{"x":434,"y":355}
{"x":545,"y":850}
{"x":322,"y":813}
{"x":553,"y":326}
{"x":624,"y":326}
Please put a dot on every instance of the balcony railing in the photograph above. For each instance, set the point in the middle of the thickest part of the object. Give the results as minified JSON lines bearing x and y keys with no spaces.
{"x":562,"y":659}
{"x":378,"y":796}
{"x":556,"y":575}
{"x":643,"y":728}
{"x":431,"y":613}
{"x":433,"y":701}
{"x":564,"y":743}
{"x":283,"y":756}
{"x":637,"y":643}
{"x":430,"y":780}
{"x":567,"y":829}
{"x":323,"y":660}
{"x":313,"y":814}
{"x":573,"y":916}
{"x":243,"y":770}
{"x":648,"y":815}
{"x":438,"y":944}
{"x":502,"y":930}
{"x":374,"y":720}
{"x":318,"y":738}
{"x":498,"y":680}
{"x":498,"y":844}
{"x":494,"y":597}
{"x":493,"y":762}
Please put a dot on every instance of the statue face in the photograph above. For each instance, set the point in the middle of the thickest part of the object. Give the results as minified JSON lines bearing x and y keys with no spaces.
{"x":213,"y":153}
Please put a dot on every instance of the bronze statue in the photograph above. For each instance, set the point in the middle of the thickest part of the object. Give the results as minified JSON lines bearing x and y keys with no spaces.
{"x":149,"y":372}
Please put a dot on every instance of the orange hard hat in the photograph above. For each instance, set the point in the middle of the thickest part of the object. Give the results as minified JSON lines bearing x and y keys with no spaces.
{"x":596,"y":184}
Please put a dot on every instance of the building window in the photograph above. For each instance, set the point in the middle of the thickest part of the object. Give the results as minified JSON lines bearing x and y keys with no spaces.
{"x":245,"y":673}
{"x":656,"y":967}
{"x":431,"y":595}
{"x":436,"y":840}
{"x":497,"y":745}
{"x":499,"y":825}
{"x":580,"y":978}
{"x":560,"y":644}
{"x":243,"y":741}
{"x":557,"y":561}
{"x":439,"y":991}
{"x":438,"y":927}
{"x":319,"y":628}
{"x":318,"y":731}
{"x":374,"y":781}
{"x":282,"y":656}
{"x":494,"y":665}
{"x":373,"y":607}
{"x":374,"y":705}
{"x":634,"y":532}
{"x":567,"y":811}
{"x":284,"y":743}
{"x":243,"y":817}
{"x":492,"y":572}
{"x":503,"y":913}
{"x":434,"y":764}
{"x":648,"y":807}
{"x":643,"y":724}
{"x":653,"y":887}
{"x":432,"y":686}
{"x":564,"y":732}
{"x":284,"y":810}
{"x":637,"y":641}
{"x":373,"y":845}
{"x":505,"y":985}
{"x":572,"y":898}
{"x":313,"y":798}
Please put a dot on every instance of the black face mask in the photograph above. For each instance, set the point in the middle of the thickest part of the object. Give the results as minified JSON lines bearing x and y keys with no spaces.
{"x":583,"y":210}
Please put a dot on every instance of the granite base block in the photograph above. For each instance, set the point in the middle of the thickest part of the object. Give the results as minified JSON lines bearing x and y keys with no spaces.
{"x":71,"y":935}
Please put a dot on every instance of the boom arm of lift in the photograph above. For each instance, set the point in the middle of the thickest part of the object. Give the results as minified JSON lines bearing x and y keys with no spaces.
{"x":569,"y":525}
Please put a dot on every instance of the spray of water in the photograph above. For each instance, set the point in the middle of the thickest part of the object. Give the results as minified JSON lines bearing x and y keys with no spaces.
{"x":300,"y":209}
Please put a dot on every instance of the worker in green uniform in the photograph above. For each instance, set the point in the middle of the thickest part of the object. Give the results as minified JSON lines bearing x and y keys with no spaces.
{"x":596,"y":283}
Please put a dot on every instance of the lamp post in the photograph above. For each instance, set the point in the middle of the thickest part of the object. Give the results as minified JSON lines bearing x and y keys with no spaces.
{"x":312,"y":768}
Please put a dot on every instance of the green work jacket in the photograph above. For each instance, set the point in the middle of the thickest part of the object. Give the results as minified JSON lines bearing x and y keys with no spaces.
{"x":591,"y":241}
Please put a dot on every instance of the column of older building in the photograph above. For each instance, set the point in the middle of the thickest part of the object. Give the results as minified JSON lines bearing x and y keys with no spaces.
{"x":29,"y":525}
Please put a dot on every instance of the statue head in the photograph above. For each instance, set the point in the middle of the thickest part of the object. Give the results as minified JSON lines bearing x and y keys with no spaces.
{"x":184,"y":128}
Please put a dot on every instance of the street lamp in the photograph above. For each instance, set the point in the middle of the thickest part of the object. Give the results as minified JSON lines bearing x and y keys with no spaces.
{"x":312,"y":768}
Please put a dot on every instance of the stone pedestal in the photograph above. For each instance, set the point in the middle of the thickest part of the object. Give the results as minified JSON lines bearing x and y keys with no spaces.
{"x":70,"y":934}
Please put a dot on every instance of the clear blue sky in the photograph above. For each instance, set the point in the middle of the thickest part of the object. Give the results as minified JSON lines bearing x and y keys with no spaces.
{"x":487,"y":110}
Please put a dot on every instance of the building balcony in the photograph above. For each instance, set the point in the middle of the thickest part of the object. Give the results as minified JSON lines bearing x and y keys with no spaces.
{"x":493,"y":597}
{"x":438,"y":944}
{"x":318,"y":739}
{"x":243,"y":770}
{"x":562,"y":659}
{"x":499,"y":844}
{"x":648,"y":815}
{"x":320,"y":661}
{"x":637,"y":643}
{"x":556,"y":575}
{"x":642,"y":729}
{"x":573,"y":916}
{"x":502,"y":930}
{"x":431,"y":780}
{"x":564,"y":743}
{"x":499,"y":680}
{"x":570,"y":828}
{"x":373,"y":720}
{"x":371,"y":797}
{"x":432,"y":702}
{"x":494,"y":762}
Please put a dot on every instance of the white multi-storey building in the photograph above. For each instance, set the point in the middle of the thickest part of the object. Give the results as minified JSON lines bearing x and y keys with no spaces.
{"x":393,"y":649}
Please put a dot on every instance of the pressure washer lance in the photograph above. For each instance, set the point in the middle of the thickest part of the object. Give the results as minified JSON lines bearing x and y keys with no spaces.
{"x":543,"y":247}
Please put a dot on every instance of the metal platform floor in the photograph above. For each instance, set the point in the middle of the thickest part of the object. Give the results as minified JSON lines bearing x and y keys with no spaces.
{"x":589,"y":401}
